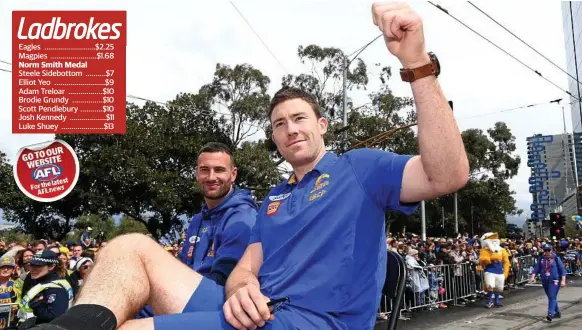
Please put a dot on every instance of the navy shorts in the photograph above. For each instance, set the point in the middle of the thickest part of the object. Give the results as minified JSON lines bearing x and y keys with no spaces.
{"x":204,"y":311}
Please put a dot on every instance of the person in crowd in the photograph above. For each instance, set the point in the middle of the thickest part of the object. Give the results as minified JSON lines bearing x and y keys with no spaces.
{"x":38,"y":246}
{"x":553,"y":276}
{"x":76,"y":255}
{"x":315,"y":273}
{"x":8,"y":294}
{"x":51,"y":295}
{"x":79,"y":274}
{"x":217,"y":236}
{"x":86,"y":241}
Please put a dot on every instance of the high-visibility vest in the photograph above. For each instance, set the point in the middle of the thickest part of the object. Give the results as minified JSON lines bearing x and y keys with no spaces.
{"x":25,"y":312}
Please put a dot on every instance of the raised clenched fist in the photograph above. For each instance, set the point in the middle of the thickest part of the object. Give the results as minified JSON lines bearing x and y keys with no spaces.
{"x":402,"y":28}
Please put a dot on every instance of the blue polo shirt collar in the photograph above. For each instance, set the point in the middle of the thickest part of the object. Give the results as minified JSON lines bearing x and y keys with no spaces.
{"x":327,"y":158}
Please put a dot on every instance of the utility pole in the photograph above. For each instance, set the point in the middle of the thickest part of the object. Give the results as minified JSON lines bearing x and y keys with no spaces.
{"x":423,"y":220}
{"x":472,"y":231}
{"x":443,"y":218}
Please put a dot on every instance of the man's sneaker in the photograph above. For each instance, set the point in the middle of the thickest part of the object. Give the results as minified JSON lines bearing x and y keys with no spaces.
{"x":549,"y":318}
{"x":557,"y":315}
{"x":489,"y":305}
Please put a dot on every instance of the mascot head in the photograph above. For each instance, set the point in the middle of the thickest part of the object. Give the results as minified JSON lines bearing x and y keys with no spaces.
{"x":491,"y":241}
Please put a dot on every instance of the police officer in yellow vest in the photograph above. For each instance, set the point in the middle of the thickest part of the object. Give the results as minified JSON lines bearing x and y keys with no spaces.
{"x":50,"y":297}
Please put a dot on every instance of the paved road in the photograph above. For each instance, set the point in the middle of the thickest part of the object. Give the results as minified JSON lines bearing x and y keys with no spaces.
{"x":523,"y":310}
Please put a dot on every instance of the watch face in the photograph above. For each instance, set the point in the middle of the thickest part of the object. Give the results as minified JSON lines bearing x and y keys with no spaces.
{"x":434,"y":58}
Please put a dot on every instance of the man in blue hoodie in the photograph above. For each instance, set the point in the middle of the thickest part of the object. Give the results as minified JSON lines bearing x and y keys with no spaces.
{"x":219,"y":234}
{"x":317,"y":254}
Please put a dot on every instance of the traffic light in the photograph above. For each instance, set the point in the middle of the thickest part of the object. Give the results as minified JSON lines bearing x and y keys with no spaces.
{"x":557,"y":225}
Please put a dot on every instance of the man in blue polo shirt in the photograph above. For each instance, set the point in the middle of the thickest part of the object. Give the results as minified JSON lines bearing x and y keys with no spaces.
{"x":317,"y":252}
{"x":219,"y":234}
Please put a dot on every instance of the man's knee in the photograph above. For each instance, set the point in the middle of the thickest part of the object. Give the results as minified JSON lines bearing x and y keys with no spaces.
{"x":128,"y":242}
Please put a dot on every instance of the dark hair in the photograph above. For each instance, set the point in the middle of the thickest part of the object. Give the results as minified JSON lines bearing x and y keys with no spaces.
{"x":290,"y":93}
{"x":39,"y":242}
{"x":213,"y":147}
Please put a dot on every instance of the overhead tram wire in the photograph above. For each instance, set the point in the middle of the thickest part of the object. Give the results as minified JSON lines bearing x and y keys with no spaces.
{"x":501,"y":49}
{"x":522,"y":41}
{"x":381,"y":137}
{"x":259,"y":37}
{"x":361,"y":49}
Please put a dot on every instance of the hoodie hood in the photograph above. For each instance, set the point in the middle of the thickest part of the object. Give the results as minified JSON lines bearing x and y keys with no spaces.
{"x":236,"y":198}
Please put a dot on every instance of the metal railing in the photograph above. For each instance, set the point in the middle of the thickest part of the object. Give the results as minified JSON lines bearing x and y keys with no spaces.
{"x":8,"y":316}
{"x":458,"y":284}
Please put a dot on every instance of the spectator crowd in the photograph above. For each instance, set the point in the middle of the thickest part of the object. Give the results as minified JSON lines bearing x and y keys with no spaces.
{"x":444,"y":271}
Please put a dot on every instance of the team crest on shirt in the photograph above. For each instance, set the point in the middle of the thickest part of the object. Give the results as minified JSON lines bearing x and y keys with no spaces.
{"x":318,"y":189}
{"x":273,"y":207}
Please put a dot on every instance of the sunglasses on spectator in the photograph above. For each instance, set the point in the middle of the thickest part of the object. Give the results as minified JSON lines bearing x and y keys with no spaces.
{"x":86,"y":267}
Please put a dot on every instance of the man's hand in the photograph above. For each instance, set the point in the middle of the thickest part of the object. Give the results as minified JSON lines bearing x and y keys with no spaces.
{"x":563,"y":284}
{"x":247,"y":308}
{"x":402,"y":28}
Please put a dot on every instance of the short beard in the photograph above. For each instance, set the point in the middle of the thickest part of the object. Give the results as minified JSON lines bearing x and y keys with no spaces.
{"x":221,"y":195}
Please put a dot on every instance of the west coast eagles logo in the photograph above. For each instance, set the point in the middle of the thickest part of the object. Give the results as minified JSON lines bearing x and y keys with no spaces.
{"x":318,"y":191}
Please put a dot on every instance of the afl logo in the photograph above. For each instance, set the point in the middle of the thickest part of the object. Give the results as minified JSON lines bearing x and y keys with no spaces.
{"x":194,"y":239}
{"x":47,"y":172}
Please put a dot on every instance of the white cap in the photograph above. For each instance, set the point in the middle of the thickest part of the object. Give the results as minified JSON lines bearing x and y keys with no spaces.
{"x":89,"y":228}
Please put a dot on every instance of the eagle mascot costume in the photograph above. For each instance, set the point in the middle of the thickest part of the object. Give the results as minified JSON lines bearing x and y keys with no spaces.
{"x":495,"y":262}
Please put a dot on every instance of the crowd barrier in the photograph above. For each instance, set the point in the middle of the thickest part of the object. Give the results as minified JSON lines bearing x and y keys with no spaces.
{"x":442,"y":286}
{"x":8,"y":316}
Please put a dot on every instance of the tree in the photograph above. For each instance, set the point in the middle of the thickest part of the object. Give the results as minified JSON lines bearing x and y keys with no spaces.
{"x":100,"y":226}
{"x":242,"y":91}
{"x":129,"y":225}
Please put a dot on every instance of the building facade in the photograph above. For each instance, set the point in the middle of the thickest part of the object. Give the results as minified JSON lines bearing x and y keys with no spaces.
{"x":552,"y":179}
{"x":572,"y":25}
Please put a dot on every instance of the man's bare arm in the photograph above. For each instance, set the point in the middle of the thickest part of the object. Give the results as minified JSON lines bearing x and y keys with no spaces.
{"x":246,"y":270}
{"x":442,"y":166}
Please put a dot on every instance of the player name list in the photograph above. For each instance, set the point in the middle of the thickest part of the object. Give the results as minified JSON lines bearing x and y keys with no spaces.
{"x":69,"y":72}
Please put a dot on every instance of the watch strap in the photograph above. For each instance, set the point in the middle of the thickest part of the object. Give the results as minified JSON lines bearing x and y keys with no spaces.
{"x":410,"y":75}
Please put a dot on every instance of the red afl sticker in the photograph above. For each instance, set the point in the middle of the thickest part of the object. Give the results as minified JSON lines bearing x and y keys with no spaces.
{"x":272,"y":208}
{"x":48,"y":171}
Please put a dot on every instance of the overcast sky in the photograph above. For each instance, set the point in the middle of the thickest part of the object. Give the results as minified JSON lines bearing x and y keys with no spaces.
{"x":173,"y":46}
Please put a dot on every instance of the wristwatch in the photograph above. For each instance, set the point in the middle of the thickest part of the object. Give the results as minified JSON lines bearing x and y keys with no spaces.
{"x":432,"y":68}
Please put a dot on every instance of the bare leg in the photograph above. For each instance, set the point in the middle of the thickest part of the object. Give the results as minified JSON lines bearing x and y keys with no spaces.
{"x":132,"y":271}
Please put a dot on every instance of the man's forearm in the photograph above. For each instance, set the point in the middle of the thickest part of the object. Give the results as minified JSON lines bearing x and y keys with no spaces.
{"x":441,"y":146}
{"x":238,"y":279}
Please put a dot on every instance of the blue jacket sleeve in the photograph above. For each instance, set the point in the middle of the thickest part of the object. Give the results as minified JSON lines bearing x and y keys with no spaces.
{"x":536,"y":269}
{"x":235,"y":238}
{"x":561,"y":269}
{"x":50,"y":304}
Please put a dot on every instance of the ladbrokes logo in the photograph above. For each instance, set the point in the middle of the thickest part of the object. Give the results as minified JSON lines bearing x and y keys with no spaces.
{"x":56,"y":30}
